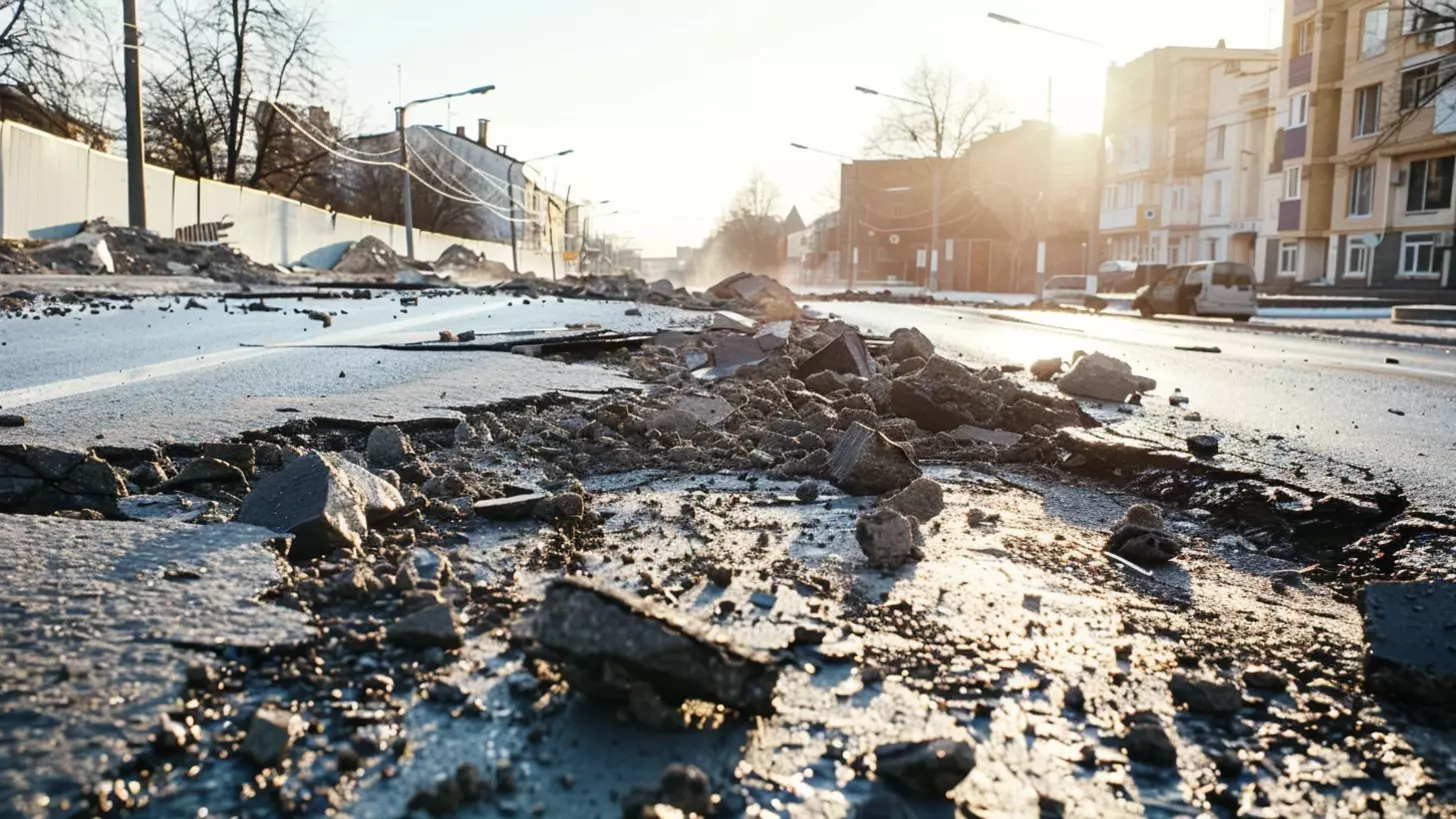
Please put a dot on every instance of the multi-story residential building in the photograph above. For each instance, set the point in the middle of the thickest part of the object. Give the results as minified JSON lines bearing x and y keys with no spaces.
{"x":1184,"y":128}
{"x":1393,"y":154}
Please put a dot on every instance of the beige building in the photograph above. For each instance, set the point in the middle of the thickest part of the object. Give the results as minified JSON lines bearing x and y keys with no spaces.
{"x":1365,"y":144}
{"x":1185,"y":133}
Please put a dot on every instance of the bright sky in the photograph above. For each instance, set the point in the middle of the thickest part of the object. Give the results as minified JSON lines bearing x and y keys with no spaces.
{"x":670,"y":104}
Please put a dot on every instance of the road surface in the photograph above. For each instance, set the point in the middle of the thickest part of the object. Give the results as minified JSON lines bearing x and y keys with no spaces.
{"x":1327,"y":396}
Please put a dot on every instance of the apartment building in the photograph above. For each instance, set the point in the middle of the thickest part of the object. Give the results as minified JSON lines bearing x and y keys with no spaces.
{"x":1186,"y":136}
{"x":1392,"y":216}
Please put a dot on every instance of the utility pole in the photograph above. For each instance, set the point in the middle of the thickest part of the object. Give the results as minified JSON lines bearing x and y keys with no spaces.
{"x":135,"y":151}
{"x":1046,"y":192}
{"x":409,"y":204}
{"x":511,"y":193}
{"x":935,"y":225}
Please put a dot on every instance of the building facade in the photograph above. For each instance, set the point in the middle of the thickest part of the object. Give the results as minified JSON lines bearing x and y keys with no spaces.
{"x":1185,"y":134}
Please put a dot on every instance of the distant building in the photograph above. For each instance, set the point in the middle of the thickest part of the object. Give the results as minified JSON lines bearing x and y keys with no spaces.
{"x":19,"y":105}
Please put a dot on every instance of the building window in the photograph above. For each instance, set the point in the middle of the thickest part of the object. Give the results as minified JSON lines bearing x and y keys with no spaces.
{"x":1357,"y":259}
{"x":1418,"y":254}
{"x":1418,"y":86}
{"x":1372,"y":31}
{"x":1219,"y":138}
{"x":1215,"y":198}
{"x":1109,"y":198}
{"x":1304,"y":37}
{"x":1418,"y":19}
{"x":1179,"y":198}
{"x":1367,"y":111}
{"x":1299,"y":110}
{"x":1362,"y":190}
{"x":1429,"y":187}
{"x":1289,"y":258}
{"x":1212,"y":251}
{"x":1293,"y":182}
{"x":1175,"y":252}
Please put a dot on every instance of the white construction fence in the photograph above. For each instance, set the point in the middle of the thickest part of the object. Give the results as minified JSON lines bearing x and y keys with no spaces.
{"x":49,"y":186}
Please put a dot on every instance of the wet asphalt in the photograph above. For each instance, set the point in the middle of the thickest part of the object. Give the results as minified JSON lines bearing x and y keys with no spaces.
{"x":1339,"y":398}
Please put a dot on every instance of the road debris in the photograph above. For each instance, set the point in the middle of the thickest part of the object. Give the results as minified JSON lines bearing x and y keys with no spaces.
{"x":867,"y":463}
{"x":1411,"y":652}
{"x":1045,"y":369}
{"x":1203,"y":446}
{"x":888,"y":538}
{"x":323,"y":501}
{"x":923,"y":499}
{"x":925,"y":770}
{"x":1104,"y":378}
{"x":1198,"y":349}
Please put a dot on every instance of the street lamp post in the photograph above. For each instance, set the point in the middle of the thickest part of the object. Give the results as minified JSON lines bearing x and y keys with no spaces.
{"x":853,"y":217}
{"x":399,"y":117}
{"x":934,"y":259}
{"x":1094,"y":228}
{"x":511,"y":194}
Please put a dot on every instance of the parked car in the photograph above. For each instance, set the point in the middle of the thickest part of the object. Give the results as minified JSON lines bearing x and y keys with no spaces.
{"x":1223,"y":289}
{"x":1072,"y":291}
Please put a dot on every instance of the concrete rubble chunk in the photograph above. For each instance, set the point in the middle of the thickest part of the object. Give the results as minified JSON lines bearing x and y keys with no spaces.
{"x":774,"y":336}
{"x":867,"y":463}
{"x":888,"y":538}
{"x":733,"y":351}
{"x":727,"y":320}
{"x":206,"y":470}
{"x":369,"y":256}
{"x":1045,"y":369}
{"x":846,"y":355}
{"x":601,"y":634}
{"x":1146,"y":547}
{"x":970,"y":433}
{"x":1104,"y":378}
{"x":434,"y":626}
{"x":388,"y":446}
{"x":41,"y":480}
{"x":1147,"y":740}
{"x":925,"y":770}
{"x":762,"y":293}
{"x":943,"y":395}
{"x":1203,"y":446}
{"x":381,"y":498}
{"x":271,"y":734}
{"x":709,"y":410}
{"x":1410,"y":641}
{"x":909,"y":342}
{"x":513,"y":507}
{"x":923,"y":499}
{"x":314,"y":499}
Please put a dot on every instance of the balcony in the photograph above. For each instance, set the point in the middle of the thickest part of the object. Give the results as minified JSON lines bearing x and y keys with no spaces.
{"x":1289,"y":213}
{"x":1118,"y":219}
{"x":1302,"y":6}
{"x":1301,"y":70}
{"x":1295,"y":142}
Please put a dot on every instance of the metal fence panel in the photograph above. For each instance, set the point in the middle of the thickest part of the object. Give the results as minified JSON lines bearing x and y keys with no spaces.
{"x":42,"y":184}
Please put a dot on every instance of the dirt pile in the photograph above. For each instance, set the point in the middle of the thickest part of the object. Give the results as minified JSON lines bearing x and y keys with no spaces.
{"x":461,"y":259}
{"x":369,"y":256}
{"x":101,"y":249}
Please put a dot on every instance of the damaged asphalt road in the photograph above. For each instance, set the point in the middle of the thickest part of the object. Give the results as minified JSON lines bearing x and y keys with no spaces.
{"x":786,"y":571}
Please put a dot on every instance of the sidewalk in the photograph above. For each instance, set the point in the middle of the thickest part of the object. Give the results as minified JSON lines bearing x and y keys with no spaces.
{"x":1369,"y":329}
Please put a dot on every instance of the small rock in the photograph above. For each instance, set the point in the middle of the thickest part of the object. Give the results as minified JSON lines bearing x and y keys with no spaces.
{"x":206,"y":470}
{"x":1203,"y":446}
{"x":1265,"y":678}
{"x":8,"y":420}
{"x":1144,"y":515}
{"x":1104,"y":378}
{"x":909,"y":343}
{"x":866,"y":462}
{"x":270,"y":735}
{"x":465,"y":434}
{"x":887,"y":538}
{"x":808,"y":492}
{"x":923,"y":499}
{"x":432,"y":627}
{"x":1148,"y":741}
{"x":1205,"y":696}
{"x":448,"y":337}
{"x":925,"y":770}
{"x":686,"y":788}
{"x":1146,"y":547}
{"x":563,"y":508}
{"x":388,"y":447}
{"x":1045,"y":369}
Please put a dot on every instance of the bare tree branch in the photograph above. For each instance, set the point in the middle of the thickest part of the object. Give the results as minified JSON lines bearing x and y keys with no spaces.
{"x":944,"y":117}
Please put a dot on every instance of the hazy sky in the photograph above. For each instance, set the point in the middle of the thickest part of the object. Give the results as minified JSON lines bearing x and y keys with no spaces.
{"x":670,"y":104}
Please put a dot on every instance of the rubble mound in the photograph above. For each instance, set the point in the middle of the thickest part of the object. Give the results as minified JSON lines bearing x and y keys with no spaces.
{"x":101,"y":249}
{"x":763,"y":294}
{"x":369,"y":256}
{"x":461,"y":259}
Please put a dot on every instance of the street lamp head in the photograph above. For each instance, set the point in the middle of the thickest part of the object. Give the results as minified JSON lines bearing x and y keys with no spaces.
{"x":1001,"y":18}
{"x":863,"y":90}
{"x":565,"y":152}
{"x":800,"y":146}
{"x":484,"y":89}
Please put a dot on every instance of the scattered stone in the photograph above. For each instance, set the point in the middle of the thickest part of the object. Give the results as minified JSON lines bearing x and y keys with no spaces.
{"x":270,"y":735}
{"x":603,"y":634}
{"x":1392,"y":361}
{"x":315,"y":500}
{"x":512,"y":507}
{"x":1205,"y":696}
{"x":867,"y":463}
{"x":1193,"y":417}
{"x":923,"y":499}
{"x":381,"y":497}
{"x":846,"y":355}
{"x":1147,"y":740}
{"x":1203,"y":446}
{"x":761,"y":293}
{"x":465,"y":434}
{"x":7,"y":420}
{"x":40,"y":480}
{"x":432,"y":627}
{"x":563,"y":508}
{"x":728,"y":320}
{"x":1045,"y":369}
{"x":1197,"y":349}
{"x":1396,"y":412}
{"x":1265,"y":678}
{"x":242,"y":456}
{"x":205,"y":470}
{"x":1144,"y":515}
{"x":388,"y":447}
{"x":808,"y":492}
{"x":321,"y":317}
{"x":448,"y":337}
{"x":925,"y":770}
{"x":1410,"y":641}
{"x":887,"y":538}
{"x":1104,"y":378}
{"x":943,"y":395}
{"x":1145,"y":547}
{"x":909,"y":342}
{"x":632,"y":311}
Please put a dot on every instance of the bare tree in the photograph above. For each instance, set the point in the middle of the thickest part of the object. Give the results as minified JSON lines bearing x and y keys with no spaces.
{"x":57,"y":68}
{"x":748,"y":236}
{"x":213,"y":114}
{"x":377,"y":192}
{"x":944,"y":115}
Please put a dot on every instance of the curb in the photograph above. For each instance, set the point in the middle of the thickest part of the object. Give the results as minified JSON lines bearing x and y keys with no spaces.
{"x":1337,"y":332}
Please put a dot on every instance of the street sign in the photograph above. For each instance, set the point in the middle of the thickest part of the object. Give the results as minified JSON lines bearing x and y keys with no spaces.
{"x":570,"y":255}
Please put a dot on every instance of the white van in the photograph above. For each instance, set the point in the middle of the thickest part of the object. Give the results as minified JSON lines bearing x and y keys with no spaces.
{"x":1072,"y":291}
{"x":1223,"y":289}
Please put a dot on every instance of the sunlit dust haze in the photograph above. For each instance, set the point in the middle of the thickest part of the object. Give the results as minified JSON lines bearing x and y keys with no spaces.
{"x":669,"y":106}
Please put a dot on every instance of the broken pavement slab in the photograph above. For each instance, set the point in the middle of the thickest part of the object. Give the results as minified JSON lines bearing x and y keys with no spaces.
{"x":41,"y":480}
{"x":599,"y":632}
{"x":867,"y":463}
{"x":323,"y":500}
{"x":845,"y":355}
{"x":1410,"y":636}
{"x":99,"y":621}
{"x":1104,"y":378}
